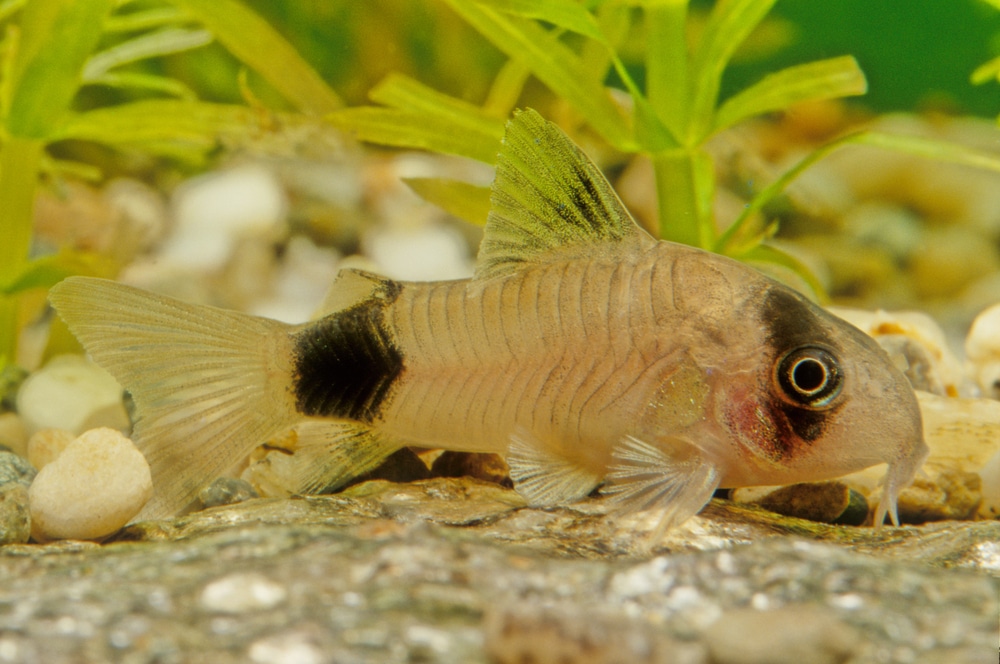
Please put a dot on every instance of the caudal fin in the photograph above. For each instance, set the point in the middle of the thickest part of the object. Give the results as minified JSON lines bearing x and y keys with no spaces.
{"x":209,"y":384}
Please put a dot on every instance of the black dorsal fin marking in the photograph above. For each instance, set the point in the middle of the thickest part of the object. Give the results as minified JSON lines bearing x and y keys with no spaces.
{"x":548,"y":199}
{"x":346,"y":362}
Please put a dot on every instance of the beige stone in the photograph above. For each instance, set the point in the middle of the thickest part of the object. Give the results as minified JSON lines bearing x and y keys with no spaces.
{"x":12,"y":433}
{"x":47,"y":444}
{"x":92,"y":489}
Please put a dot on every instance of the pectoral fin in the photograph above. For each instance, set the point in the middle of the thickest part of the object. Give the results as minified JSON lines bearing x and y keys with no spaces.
{"x":544,"y":478}
{"x":323,"y":456}
{"x":674,"y":477}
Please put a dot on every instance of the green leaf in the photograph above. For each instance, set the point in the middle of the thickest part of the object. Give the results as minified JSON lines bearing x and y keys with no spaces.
{"x":254,"y":42}
{"x":565,"y":14}
{"x":148,"y":82}
{"x":824,"y":79}
{"x":417,"y":130}
{"x":47,"y":271}
{"x":728,"y":25}
{"x":160,"y":120}
{"x":461,"y":199}
{"x":553,"y":63}
{"x":988,"y":71}
{"x":144,"y":19}
{"x":10,"y":7}
{"x":506,"y":89}
{"x":57,"y":37}
{"x":406,"y":94}
{"x":764,"y":256}
{"x":148,"y":45}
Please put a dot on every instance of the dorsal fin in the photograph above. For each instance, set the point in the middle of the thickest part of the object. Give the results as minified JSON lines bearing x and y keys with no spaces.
{"x":548,"y":199}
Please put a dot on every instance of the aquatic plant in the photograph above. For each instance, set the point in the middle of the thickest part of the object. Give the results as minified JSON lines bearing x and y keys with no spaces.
{"x":989,"y":70}
{"x":576,"y":53}
{"x":52,"y":49}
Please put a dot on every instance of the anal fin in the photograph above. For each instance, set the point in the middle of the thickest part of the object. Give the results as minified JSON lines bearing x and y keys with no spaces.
{"x":676,"y":479}
{"x":324,"y":455}
{"x":544,"y":478}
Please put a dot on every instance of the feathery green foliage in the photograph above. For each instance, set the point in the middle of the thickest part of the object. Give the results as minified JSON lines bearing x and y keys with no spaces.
{"x":51,"y":49}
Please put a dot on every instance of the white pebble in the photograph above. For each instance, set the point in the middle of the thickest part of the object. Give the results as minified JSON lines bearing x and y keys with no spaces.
{"x":92,"y":489}
{"x":214,"y":211}
{"x":982,"y":348}
{"x":917,"y":345}
{"x":72,"y":393}
{"x":429,"y":253}
{"x":46,"y":444}
{"x":241,"y":593}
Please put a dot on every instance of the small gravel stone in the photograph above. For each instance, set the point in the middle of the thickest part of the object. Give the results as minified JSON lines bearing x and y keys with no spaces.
{"x":482,"y":466}
{"x":47,"y":444}
{"x":241,"y":593}
{"x":943,"y":494}
{"x":817,"y":501}
{"x":790,"y":635}
{"x":15,"y":520}
{"x":15,"y":468}
{"x":92,"y":489}
{"x":227,"y":491}
{"x":71,"y":393}
{"x":13,"y":435}
{"x":982,"y":348}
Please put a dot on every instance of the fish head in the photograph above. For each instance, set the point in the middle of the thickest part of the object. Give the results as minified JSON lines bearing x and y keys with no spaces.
{"x":818,"y":399}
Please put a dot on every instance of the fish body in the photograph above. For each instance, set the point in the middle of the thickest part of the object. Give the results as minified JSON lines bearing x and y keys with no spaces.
{"x":583,"y":349}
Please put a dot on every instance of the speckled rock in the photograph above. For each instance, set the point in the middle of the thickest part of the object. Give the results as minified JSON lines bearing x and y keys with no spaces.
{"x":47,"y":444}
{"x":92,"y":489}
{"x":942,"y":494}
{"x":71,"y":393}
{"x":15,"y":468}
{"x":15,"y":519}
{"x":454,"y":571}
{"x":787,"y":635}
{"x":227,"y":491}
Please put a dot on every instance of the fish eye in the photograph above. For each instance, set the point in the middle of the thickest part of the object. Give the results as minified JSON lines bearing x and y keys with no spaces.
{"x":810,"y":377}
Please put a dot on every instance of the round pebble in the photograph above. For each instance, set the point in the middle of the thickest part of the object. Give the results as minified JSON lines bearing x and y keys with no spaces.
{"x":72,"y":393}
{"x":242,"y":593}
{"x":982,"y":348}
{"x":47,"y":444}
{"x":15,"y":519}
{"x":213,"y":211}
{"x":227,"y":491}
{"x":13,"y":435}
{"x":92,"y":489}
{"x":15,"y":469}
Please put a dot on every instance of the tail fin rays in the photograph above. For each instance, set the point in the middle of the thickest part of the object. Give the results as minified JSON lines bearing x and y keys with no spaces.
{"x":209,"y":384}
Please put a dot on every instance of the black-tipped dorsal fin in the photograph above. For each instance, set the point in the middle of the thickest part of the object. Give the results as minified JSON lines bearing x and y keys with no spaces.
{"x":548,"y":199}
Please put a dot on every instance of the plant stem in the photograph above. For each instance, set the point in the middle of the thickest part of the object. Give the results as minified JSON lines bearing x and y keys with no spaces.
{"x":19,"y":163}
{"x":667,"y":63}
{"x":684,"y":188}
